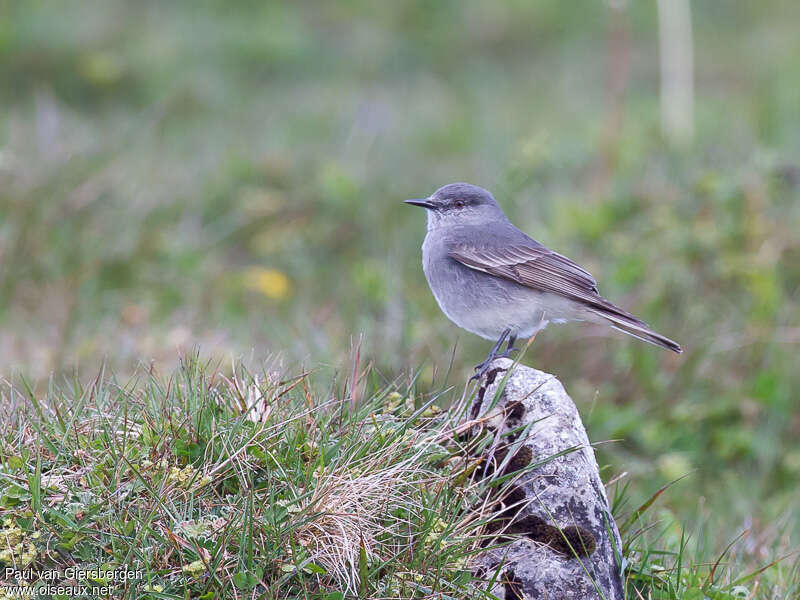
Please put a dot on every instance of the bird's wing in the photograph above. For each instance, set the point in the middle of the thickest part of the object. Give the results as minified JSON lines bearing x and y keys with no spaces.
{"x":537,"y":267}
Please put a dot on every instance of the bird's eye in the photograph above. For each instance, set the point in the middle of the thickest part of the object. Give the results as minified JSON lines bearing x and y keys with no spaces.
{"x":458,"y":204}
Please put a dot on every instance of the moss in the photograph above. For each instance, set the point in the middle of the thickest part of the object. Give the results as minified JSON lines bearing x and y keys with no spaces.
{"x":512,"y":586}
{"x":515,"y":410}
{"x":572,"y":540}
{"x":521,"y":459}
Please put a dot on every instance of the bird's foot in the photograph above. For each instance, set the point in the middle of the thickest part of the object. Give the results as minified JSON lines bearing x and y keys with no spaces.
{"x":482,"y":368}
{"x":507,"y":353}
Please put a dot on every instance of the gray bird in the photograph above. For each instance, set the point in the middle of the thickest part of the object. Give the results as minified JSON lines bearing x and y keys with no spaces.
{"x":495,"y":281}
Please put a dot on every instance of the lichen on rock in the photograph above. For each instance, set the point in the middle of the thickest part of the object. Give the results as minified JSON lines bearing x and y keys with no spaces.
{"x":565,"y":543}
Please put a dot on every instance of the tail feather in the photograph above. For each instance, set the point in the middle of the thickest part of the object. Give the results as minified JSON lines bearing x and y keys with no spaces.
{"x":636,"y":328}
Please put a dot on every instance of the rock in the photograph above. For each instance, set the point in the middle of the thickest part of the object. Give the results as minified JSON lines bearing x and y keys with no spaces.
{"x":565,"y":544}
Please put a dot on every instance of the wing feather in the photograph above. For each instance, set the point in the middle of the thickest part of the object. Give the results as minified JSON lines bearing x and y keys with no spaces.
{"x":537,"y":267}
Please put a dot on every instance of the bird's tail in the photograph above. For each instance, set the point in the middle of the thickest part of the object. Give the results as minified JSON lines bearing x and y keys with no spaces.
{"x":627,"y":323}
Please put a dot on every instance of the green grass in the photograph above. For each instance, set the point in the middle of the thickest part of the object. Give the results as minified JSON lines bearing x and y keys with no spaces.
{"x":299,"y":496}
{"x":217,"y":484}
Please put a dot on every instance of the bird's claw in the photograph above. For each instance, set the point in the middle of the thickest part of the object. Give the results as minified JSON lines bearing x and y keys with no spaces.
{"x":483,"y":367}
{"x":480,"y":370}
{"x":507,"y":353}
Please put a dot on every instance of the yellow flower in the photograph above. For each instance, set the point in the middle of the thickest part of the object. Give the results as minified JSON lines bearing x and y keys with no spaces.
{"x":394,"y":400}
{"x":195,"y":568}
{"x":272,"y":283}
{"x":203,"y":481}
{"x":181,"y":476}
{"x":28,"y":556}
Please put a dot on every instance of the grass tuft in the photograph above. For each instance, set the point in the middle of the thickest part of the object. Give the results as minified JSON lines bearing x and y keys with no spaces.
{"x":233,"y":484}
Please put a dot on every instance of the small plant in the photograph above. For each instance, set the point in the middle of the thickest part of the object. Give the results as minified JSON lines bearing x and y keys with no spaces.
{"x":216,"y":484}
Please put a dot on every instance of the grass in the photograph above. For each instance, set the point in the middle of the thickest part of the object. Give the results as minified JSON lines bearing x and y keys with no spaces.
{"x":216,"y":484}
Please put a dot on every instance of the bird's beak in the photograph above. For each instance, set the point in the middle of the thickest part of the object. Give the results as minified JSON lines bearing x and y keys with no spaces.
{"x":423,"y":202}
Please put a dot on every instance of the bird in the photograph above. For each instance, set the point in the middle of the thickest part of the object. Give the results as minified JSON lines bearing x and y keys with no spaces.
{"x":495,"y":281}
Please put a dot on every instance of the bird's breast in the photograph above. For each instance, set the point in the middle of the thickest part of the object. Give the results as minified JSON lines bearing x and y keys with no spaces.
{"x":478,"y":302}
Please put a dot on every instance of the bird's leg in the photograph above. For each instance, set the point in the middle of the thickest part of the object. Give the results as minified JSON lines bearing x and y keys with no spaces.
{"x":497,"y":346}
{"x":484,"y":366}
{"x":509,"y":348}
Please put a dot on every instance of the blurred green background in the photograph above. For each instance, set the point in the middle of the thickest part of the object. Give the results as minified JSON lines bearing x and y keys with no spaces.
{"x":229,"y":175}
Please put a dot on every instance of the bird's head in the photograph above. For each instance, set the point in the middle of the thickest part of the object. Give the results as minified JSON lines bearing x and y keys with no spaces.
{"x":459,"y":204}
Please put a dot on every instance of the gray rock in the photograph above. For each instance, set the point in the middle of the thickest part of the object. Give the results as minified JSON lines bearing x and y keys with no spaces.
{"x":566,"y":544}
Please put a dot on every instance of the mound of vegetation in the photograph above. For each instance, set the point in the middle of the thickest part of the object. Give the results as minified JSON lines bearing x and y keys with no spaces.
{"x":210,"y":484}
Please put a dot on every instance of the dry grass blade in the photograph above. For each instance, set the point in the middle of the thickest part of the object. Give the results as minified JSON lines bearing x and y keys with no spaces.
{"x":351,"y":510}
